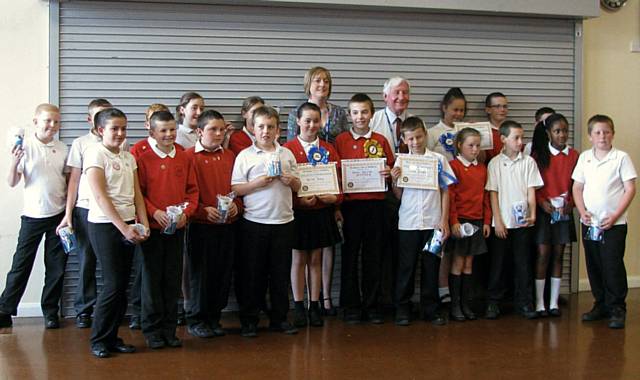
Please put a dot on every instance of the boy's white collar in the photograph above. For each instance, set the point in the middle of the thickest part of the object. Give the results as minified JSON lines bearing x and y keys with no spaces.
{"x":357,"y":136}
{"x":199,"y":148}
{"x":154,"y":146}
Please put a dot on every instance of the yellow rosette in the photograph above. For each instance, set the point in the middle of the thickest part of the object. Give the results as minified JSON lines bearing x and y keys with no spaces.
{"x":373,"y":149}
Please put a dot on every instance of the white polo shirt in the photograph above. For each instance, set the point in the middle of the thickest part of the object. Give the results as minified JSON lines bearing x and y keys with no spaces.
{"x":511,"y":179}
{"x":422,"y":209}
{"x":433,"y":139}
{"x":272,"y":204}
{"x":119,"y":170}
{"x":382,"y":123}
{"x":604,"y":181}
{"x":186,"y":136}
{"x":45,"y":183}
{"x":76,"y":154}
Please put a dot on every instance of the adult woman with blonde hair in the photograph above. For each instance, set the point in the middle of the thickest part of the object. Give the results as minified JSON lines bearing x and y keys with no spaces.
{"x":317,"y":87}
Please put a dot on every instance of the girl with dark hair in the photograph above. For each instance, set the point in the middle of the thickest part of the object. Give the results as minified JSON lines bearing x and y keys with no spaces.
{"x":554,"y":224}
{"x":440,"y":138}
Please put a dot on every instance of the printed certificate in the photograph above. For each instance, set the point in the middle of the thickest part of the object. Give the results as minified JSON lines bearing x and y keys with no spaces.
{"x":486,"y":137}
{"x":318,"y":179}
{"x":417,"y":172}
{"x":363,"y":175}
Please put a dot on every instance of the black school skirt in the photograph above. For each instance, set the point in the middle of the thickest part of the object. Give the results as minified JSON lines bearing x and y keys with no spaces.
{"x":554,"y":234}
{"x":315,"y":229}
{"x":469,"y":246}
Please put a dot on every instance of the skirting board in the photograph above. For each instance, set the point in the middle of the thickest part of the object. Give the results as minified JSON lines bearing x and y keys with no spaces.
{"x":29,"y":309}
{"x":633,"y":281}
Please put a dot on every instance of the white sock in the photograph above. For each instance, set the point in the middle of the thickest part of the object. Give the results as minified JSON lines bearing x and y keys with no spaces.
{"x":443,"y":292}
{"x":540,"y":294}
{"x":555,"y":292}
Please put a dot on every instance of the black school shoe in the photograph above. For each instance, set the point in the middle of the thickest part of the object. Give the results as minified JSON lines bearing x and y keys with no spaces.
{"x":283,"y":327}
{"x":595,"y":314}
{"x":121,"y":347}
{"x":5,"y":320}
{"x":374,"y":317}
{"x":200,"y":330}
{"x":51,"y":322}
{"x":250,"y":330}
{"x":315,"y":317}
{"x":617,"y":319}
{"x":155,"y":341}
{"x":83,"y":321}
{"x":100,"y":350}
{"x":437,"y":319}
{"x":528,"y":312}
{"x":172,"y":342}
{"x":217,"y":329}
{"x":300,"y":317}
{"x":492,"y":312}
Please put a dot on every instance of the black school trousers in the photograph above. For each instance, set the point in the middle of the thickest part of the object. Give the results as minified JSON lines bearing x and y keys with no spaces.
{"x":363,"y":234}
{"x":29,"y":237}
{"x":210,"y":260}
{"x":518,"y":246}
{"x":161,"y":280}
{"x":86,"y":292}
{"x":605,"y":267}
{"x":114,"y":255}
{"x":265,"y":261}
{"x":410,"y":255}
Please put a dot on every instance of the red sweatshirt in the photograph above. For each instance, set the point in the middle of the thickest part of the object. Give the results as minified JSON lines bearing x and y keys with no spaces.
{"x":167,"y":182}
{"x":213,"y":174}
{"x":301,"y":157}
{"x":239,"y":141}
{"x":467,"y":198}
{"x":350,"y":148}
{"x":557,"y":176}
{"x":497,"y":146}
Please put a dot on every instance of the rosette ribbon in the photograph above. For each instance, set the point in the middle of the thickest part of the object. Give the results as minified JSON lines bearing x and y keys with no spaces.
{"x":373,"y":149}
{"x":446,"y":140}
{"x":318,"y":155}
{"x":445,"y":179}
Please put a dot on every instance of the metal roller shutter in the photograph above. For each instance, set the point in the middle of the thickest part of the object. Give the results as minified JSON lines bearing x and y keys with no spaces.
{"x":136,"y":54}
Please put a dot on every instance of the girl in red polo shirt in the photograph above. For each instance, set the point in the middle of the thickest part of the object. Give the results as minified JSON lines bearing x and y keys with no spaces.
{"x":315,"y":224}
{"x":470,"y":220}
{"x":243,"y":138}
{"x":554,"y":224}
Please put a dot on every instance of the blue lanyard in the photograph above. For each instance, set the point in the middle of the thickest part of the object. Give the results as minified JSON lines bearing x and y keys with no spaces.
{"x":327,"y":125}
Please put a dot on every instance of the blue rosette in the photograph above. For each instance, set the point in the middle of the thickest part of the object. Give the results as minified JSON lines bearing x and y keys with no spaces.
{"x":446,"y":140}
{"x":318,"y":155}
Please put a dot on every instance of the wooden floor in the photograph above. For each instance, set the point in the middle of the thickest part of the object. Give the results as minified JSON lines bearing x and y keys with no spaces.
{"x":505,"y":349}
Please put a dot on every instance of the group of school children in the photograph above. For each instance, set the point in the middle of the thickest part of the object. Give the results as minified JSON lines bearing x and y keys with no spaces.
{"x":236,"y":192}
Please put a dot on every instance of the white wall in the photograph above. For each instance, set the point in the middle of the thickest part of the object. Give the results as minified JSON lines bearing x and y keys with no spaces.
{"x":24,"y":43}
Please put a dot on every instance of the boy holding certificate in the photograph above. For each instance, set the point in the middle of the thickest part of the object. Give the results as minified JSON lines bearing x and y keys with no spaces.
{"x":359,"y":209}
{"x":423,"y":224}
{"x":315,"y":226}
{"x":265,"y":175}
